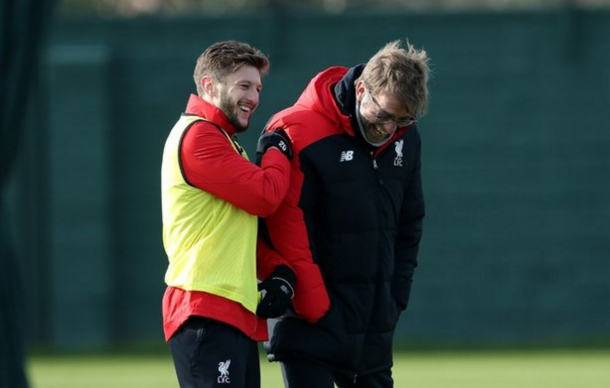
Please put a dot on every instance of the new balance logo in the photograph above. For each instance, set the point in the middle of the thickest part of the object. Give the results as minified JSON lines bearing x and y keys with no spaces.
{"x":223,"y":368}
{"x":346,"y":156}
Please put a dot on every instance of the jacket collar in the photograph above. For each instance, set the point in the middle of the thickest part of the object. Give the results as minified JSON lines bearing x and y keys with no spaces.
{"x":345,"y":92}
{"x":198,"y":106}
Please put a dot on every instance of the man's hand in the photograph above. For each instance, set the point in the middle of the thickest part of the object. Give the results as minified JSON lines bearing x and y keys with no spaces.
{"x":278,"y":139}
{"x":276,"y":293}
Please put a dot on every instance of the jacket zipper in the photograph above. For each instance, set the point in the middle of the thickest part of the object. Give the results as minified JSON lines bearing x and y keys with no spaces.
{"x":376,"y":168}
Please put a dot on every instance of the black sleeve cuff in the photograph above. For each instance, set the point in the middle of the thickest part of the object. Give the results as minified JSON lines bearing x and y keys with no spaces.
{"x":284,"y":272}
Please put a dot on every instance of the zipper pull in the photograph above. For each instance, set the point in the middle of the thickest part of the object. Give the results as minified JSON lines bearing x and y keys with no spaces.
{"x":375,"y":164}
{"x":355,"y":378}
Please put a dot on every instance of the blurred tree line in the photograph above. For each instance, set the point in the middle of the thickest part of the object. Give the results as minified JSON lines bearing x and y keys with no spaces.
{"x":130,"y":8}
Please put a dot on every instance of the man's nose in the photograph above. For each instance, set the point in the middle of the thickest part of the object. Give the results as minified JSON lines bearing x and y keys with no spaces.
{"x":254,"y":96}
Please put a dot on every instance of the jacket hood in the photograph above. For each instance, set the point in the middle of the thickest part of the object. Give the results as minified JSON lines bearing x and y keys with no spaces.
{"x":345,"y":92}
{"x":319,"y":97}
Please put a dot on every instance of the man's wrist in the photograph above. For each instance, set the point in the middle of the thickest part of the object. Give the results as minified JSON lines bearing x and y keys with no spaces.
{"x":287,"y":283}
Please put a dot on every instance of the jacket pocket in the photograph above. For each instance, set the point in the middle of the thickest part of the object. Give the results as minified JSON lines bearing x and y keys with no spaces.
{"x":385,"y":313}
{"x":311,"y":299}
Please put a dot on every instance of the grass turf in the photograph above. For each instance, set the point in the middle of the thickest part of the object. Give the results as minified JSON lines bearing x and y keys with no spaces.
{"x":482,"y":369}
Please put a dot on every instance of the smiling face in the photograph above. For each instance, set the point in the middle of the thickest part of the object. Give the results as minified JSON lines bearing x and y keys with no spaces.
{"x":237,"y":95}
{"x":381,"y":115}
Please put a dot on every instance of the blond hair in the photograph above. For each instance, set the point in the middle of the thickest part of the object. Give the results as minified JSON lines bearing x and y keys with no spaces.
{"x":403,"y":72}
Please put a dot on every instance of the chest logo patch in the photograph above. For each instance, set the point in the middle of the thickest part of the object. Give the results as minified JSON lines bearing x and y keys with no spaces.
{"x":223,"y":368}
{"x":398,"y":148}
{"x":346,"y":156}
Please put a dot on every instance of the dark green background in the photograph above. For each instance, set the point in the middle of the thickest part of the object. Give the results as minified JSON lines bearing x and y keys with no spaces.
{"x":516,"y":161}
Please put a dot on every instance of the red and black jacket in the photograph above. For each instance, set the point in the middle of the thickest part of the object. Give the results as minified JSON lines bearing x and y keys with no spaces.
{"x":350,"y":226}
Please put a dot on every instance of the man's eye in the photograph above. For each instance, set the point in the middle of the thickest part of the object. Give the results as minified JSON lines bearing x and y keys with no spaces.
{"x":384,"y":118}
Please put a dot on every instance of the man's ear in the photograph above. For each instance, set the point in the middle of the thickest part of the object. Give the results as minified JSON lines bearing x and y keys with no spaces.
{"x":360,"y":90}
{"x":208,"y":85}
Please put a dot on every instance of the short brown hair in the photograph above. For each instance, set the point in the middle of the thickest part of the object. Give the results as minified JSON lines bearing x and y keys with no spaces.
{"x":223,"y":58}
{"x":403,"y":72}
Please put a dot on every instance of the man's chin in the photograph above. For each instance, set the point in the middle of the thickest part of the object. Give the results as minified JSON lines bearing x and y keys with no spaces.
{"x":374,"y":139}
{"x":377,"y":141}
{"x":241,"y":129}
{"x":240,"y":125}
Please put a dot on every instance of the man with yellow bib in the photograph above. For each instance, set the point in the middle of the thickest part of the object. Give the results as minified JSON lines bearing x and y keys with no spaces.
{"x":212,"y":196}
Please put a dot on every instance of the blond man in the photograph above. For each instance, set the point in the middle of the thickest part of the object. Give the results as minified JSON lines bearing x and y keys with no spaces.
{"x":351,"y":223}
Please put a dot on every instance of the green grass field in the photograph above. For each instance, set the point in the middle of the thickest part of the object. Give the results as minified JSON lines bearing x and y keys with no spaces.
{"x":535,"y":369}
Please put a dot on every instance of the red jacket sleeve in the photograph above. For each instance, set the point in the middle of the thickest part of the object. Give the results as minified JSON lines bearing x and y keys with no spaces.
{"x":210,"y":162}
{"x":289,"y":235}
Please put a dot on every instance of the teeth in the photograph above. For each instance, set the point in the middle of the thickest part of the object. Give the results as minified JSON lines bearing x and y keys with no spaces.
{"x":244,"y":108}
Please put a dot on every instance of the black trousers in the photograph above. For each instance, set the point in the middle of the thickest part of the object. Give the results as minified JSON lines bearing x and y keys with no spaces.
{"x":209,"y":353}
{"x":307,"y":374}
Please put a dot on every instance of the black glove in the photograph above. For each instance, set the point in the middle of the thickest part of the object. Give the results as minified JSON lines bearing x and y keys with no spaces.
{"x":276,"y":293}
{"x":277,"y":138}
